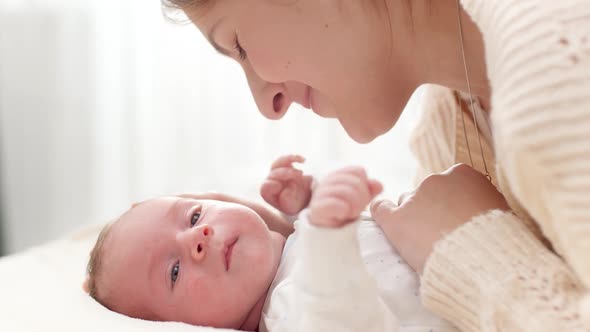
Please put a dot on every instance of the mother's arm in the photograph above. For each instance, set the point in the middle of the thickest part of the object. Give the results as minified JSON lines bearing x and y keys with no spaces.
{"x":491,"y":273}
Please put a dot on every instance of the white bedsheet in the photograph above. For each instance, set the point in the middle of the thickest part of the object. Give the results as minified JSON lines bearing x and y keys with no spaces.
{"x":40,"y":290}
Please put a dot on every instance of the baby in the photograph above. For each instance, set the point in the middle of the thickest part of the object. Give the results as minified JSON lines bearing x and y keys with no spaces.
{"x":214,"y":260}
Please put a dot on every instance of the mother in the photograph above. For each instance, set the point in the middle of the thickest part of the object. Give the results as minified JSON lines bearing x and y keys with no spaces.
{"x":523,"y":69}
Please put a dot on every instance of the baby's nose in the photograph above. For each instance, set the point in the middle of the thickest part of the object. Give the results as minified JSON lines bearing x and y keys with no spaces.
{"x":200,"y":246}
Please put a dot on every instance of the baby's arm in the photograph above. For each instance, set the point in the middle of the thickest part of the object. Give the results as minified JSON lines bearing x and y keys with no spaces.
{"x":334,"y":291}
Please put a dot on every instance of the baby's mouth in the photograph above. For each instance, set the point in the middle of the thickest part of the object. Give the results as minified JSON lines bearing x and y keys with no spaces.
{"x":228,"y":250}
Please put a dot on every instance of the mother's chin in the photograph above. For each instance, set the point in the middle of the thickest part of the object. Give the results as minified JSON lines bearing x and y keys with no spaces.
{"x":366,"y":131}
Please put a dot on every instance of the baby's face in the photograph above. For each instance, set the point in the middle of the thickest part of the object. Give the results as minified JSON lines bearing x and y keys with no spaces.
{"x":200,"y":262}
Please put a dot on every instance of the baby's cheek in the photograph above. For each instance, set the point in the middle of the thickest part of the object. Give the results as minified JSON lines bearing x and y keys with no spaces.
{"x":203,"y":298}
{"x":266,"y":260}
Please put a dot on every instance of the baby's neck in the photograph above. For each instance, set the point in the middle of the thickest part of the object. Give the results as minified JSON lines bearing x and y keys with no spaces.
{"x":253,"y":317}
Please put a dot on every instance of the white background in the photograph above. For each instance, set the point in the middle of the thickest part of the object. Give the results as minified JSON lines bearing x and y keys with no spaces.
{"x":103,"y":103}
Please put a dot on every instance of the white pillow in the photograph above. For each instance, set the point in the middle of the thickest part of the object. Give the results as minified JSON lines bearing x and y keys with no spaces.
{"x":40,"y":290}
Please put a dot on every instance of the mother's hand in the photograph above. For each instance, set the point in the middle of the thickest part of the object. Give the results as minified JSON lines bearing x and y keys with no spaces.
{"x":439,"y":205}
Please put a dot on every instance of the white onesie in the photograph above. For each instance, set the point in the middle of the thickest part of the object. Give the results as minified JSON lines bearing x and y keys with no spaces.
{"x":325,"y":283}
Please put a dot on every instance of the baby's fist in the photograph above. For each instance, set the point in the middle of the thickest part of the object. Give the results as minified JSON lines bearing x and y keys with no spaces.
{"x":341,"y":197}
{"x":287,"y":188}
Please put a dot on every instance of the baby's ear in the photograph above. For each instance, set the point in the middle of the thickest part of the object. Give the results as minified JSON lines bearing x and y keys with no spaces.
{"x":85,"y":286}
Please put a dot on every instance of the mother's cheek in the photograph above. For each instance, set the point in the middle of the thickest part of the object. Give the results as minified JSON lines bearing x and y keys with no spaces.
{"x":269,"y":67}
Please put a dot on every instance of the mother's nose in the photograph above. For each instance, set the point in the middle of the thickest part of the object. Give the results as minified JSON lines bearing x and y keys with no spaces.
{"x":272,"y":99}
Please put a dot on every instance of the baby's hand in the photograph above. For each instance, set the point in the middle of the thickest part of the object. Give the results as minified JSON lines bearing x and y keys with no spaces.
{"x":341,"y":197}
{"x":286,"y":188}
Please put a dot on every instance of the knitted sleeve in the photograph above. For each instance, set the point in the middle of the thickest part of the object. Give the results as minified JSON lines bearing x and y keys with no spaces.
{"x":493,"y":273}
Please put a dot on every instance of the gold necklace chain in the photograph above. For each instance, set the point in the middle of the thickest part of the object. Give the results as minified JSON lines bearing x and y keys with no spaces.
{"x":485,"y":166}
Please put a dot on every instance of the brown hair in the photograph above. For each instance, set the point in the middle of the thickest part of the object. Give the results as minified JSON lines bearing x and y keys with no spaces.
{"x":95,"y":263}
{"x":176,"y":4}
{"x":174,"y":10}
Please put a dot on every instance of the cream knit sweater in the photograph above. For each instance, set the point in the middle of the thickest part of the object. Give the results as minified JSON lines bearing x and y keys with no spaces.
{"x":528,"y":270}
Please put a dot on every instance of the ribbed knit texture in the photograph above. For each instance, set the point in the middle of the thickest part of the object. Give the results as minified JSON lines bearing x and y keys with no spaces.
{"x":528,"y":270}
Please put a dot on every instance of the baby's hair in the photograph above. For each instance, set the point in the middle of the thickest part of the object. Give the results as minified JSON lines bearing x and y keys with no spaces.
{"x":95,"y":263}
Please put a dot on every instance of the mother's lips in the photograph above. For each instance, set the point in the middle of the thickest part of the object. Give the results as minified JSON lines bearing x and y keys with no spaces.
{"x":228,"y":250}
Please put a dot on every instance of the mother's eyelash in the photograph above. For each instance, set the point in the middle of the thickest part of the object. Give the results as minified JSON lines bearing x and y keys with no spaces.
{"x":241,"y":52}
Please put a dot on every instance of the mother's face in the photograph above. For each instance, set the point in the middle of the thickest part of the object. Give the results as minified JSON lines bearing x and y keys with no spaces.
{"x":334,"y":57}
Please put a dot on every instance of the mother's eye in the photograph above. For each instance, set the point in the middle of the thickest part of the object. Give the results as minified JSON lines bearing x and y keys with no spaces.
{"x":241,"y":52}
{"x":195,"y":218}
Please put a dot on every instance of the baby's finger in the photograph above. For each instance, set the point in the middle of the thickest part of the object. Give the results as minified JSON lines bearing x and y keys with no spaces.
{"x":326,"y":210}
{"x":375,"y":187}
{"x":354,"y":180}
{"x":358,"y":199}
{"x":270,"y":191}
{"x":287,"y":161}
{"x":342,"y":177}
{"x":354,"y":170}
{"x":285,"y":174}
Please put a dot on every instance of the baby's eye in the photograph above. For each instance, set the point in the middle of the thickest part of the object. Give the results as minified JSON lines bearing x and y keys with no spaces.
{"x":195,"y":218}
{"x":174,"y":273}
